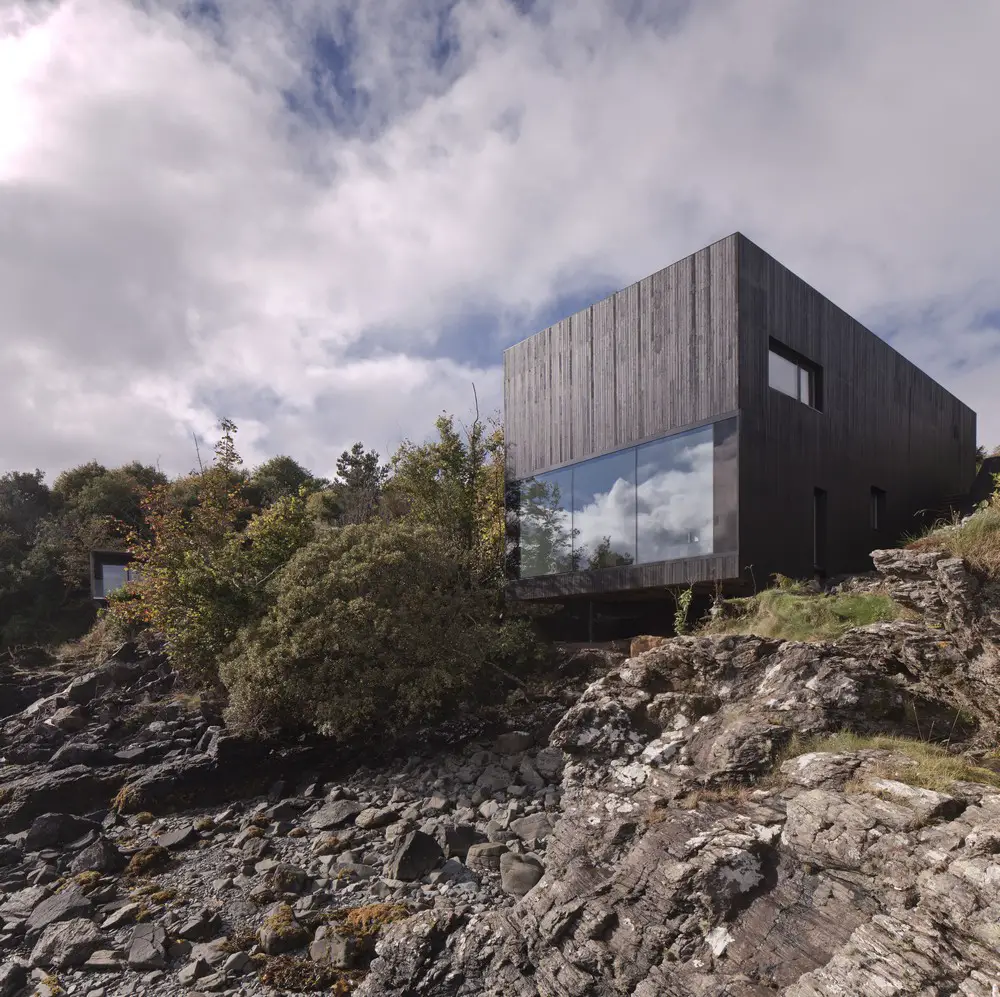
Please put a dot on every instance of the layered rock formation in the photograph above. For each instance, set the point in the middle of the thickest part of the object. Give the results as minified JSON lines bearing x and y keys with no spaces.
{"x":679,"y":827}
{"x":678,"y":867}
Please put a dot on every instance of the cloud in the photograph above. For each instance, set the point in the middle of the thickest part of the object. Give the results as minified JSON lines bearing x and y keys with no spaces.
{"x":663,"y":503}
{"x":297,"y":215}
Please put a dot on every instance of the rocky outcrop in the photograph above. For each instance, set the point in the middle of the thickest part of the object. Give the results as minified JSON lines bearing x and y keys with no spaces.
{"x":678,"y":866}
{"x":173,"y":856}
{"x":671,"y":824}
{"x":964,"y":610}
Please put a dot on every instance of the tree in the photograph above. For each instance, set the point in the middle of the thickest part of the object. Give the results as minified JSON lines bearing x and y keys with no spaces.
{"x":361,"y":479}
{"x":204,"y":560}
{"x":29,"y":594}
{"x":456,"y":484}
{"x":70,"y":483}
{"x":280,"y":477}
{"x":24,"y":500}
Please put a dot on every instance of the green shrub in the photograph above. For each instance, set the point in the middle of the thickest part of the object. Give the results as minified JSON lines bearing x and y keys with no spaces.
{"x":372,"y":625}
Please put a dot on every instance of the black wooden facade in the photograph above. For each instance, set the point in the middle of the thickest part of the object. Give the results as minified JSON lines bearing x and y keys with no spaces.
{"x":761,"y":482}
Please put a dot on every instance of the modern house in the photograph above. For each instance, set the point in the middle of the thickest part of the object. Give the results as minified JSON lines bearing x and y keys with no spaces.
{"x":711,"y":425}
{"x":109,"y":570}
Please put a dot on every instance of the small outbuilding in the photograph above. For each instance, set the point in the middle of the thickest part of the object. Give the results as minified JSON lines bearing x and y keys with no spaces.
{"x":110,"y":570}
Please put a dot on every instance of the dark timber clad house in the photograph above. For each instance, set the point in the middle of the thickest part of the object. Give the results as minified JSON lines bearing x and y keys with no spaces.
{"x":710,"y":425}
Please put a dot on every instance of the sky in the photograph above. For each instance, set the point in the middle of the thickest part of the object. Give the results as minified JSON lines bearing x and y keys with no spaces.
{"x":326,"y":219}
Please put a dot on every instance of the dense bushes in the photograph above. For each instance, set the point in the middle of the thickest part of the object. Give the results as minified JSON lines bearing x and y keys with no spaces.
{"x":46,"y":535}
{"x":204,"y":565}
{"x":373,"y":626}
{"x":373,"y":601}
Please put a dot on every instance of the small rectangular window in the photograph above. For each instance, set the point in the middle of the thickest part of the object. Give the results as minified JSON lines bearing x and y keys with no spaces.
{"x":877,"y":508}
{"x":797,"y":378}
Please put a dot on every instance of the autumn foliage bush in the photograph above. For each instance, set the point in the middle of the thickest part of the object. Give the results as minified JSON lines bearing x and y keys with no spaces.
{"x":371,"y":601}
{"x":203,"y":564}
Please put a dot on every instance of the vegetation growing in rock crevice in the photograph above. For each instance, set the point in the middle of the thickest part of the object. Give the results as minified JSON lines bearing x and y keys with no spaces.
{"x":294,"y":974}
{"x":791,"y":611}
{"x":917,"y":763}
{"x":976,"y":540}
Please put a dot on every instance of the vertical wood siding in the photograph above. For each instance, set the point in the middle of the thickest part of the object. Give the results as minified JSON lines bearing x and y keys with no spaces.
{"x":656,"y":356}
{"x":690,"y":343}
{"x":884,"y":423}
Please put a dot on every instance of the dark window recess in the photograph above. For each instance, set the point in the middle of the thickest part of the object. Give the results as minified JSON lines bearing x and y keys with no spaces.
{"x":877,"y":508}
{"x":794,"y":375}
{"x":819,"y":531}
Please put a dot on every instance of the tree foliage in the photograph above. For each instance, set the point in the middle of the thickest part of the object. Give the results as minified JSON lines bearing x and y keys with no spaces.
{"x":202,"y":565}
{"x":46,"y":536}
{"x":360,"y":485}
{"x":455,"y":484}
{"x":278,"y":478}
{"x":372,"y":626}
{"x":374,"y":598}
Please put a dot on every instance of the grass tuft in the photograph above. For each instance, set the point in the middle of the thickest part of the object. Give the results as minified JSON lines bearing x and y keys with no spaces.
{"x":128,"y":799}
{"x":918,"y":763}
{"x":363,"y":922}
{"x":788,"y":612}
{"x":147,"y":860}
{"x":976,"y":541}
{"x":282,"y":922}
{"x":292,"y":974}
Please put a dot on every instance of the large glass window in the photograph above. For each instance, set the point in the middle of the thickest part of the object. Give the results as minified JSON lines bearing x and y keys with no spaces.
{"x":674,"y":497}
{"x":667,"y":499}
{"x":545,"y":524}
{"x":112,"y":577}
{"x":604,"y":511}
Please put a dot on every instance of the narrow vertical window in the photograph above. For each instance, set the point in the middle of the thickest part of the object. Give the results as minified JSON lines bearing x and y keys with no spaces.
{"x":819,"y":530}
{"x":805,"y":386}
{"x":877,"y":508}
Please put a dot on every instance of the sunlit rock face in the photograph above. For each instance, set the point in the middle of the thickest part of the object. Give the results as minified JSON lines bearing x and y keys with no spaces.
{"x":700,"y":851}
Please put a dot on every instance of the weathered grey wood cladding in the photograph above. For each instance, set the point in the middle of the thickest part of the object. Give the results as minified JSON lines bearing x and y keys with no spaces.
{"x":656,"y":356}
{"x":688,"y":345}
{"x":883,"y":423}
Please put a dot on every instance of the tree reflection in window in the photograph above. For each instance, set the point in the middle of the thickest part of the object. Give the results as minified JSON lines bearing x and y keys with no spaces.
{"x":674,"y":497}
{"x":649,"y":503}
{"x":604,"y":510}
{"x":604,"y":556}
{"x":545,"y":524}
